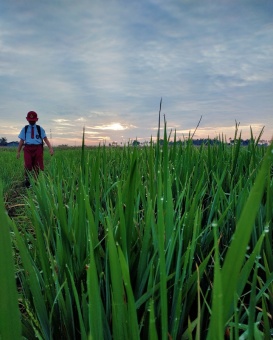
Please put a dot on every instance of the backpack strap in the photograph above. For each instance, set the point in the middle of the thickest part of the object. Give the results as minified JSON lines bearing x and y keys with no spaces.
{"x":26,"y":131}
{"x":39,"y":131}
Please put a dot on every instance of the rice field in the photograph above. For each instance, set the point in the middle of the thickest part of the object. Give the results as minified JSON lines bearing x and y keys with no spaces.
{"x":154,"y":242}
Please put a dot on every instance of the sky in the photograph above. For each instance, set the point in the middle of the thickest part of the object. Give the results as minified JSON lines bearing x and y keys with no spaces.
{"x":105,"y":65}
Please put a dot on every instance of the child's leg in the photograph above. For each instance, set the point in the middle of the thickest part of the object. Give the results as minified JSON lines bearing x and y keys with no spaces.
{"x":39,"y":159}
{"x":28,"y":164}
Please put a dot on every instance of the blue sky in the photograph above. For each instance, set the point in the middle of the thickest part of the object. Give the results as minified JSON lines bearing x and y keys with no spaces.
{"x":106,"y":64}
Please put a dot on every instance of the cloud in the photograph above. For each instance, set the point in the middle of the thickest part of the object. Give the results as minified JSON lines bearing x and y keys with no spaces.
{"x":112,"y":126}
{"x":60,"y":120}
{"x":92,"y":134}
{"x":87,"y":63}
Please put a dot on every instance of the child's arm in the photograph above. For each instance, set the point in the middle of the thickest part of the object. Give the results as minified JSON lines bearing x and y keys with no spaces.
{"x":49,"y":146}
{"x":21,"y":143}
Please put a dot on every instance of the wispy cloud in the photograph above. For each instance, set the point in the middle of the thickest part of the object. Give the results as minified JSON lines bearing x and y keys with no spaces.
{"x":112,"y":126}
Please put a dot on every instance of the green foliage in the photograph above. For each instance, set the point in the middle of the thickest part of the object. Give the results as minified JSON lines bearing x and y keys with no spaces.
{"x":10,"y":324}
{"x":11,"y":169}
{"x":150,"y":242}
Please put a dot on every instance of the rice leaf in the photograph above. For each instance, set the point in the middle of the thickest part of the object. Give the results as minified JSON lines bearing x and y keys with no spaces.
{"x":152,"y":322}
{"x":119,"y":312}
{"x":133,"y":329}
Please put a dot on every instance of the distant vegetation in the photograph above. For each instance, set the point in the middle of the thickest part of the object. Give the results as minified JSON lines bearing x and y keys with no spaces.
{"x":3,"y":141}
{"x":201,"y":141}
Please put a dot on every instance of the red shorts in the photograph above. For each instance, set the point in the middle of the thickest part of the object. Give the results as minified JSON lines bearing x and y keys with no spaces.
{"x":34,"y":157}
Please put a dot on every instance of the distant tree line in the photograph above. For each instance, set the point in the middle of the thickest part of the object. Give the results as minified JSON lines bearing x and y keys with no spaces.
{"x":3,"y":141}
{"x":204,"y":141}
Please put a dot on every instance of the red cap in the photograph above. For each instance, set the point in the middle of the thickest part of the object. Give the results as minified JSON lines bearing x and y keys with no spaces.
{"x":32,"y":116}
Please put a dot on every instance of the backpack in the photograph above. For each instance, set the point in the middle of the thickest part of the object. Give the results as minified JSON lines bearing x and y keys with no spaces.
{"x":39,"y":132}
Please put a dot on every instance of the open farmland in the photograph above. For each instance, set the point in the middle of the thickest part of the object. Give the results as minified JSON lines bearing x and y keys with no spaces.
{"x":157,"y":242}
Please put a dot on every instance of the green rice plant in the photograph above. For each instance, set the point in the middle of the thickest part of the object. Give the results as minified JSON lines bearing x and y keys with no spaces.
{"x":10,"y":323}
{"x":142,"y":242}
{"x":226,"y":280}
{"x":12,"y":170}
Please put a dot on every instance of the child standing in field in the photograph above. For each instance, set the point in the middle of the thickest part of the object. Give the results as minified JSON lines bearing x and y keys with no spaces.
{"x":32,"y":136}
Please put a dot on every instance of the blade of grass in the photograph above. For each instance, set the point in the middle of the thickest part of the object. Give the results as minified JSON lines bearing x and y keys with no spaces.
{"x":133,"y":329}
{"x":162,"y":262}
{"x":77,"y":301}
{"x":119,"y":312}
{"x":252,"y":304}
{"x":95,"y":305}
{"x":152,"y":322}
{"x":216,"y":328}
